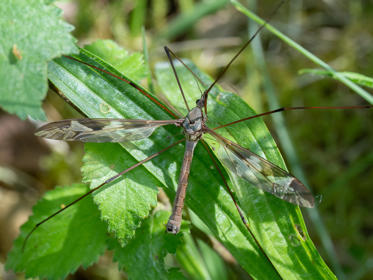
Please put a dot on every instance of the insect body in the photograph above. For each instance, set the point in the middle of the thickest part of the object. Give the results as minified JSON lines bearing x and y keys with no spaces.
{"x":193,"y":125}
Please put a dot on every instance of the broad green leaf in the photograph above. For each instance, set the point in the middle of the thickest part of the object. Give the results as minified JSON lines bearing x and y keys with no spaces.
{"x":143,"y":257}
{"x":132,"y":65}
{"x":355,"y":77}
{"x":97,"y":94}
{"x":31,"y":34}
{"x":200,"y":262}
{"x":75,"y":237}
{"x":276,"y":224}
{"x":126,"y":202}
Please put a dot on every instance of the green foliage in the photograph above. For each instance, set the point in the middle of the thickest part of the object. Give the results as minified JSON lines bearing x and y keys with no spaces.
{"x":143,"y":257}
{"x":125,"y":203}
{"x":132,"y":197}
{"x":200,"y":261}
{"x":138,"y":17}
{"x":353,"y":86}
{"x":278,"y":227}
{"x":132,"y":65}
{"x":76,"y":237}
{"x":357,"y":78}
{"x":89,"y":89}
{"x":31,"y":33}
{"x":186,"y":20}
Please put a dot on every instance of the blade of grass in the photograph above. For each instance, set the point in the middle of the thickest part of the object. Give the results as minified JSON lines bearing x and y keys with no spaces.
{"x":364,"y":94}
{"x":158,"y":13}
{"x":355,"y":77}
{"x":288,"y":148}
{"x":138,"y":17}
{"x":146,"y":60}
{"x":187,"y":20}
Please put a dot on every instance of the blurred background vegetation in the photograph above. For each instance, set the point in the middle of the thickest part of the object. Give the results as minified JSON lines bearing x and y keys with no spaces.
{"x":333,"y":148}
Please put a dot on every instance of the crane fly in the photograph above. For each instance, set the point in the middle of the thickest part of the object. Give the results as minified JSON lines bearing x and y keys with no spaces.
{"x":243,"y":162}
{"x":235,"y":158}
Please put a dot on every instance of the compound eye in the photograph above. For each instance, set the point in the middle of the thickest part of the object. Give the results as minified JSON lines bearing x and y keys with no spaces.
{"x":197,"y":101}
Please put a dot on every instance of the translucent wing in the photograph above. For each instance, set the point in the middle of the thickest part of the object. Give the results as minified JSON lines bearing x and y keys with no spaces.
{"x":262,"y":173}
{"x":100,"y":130}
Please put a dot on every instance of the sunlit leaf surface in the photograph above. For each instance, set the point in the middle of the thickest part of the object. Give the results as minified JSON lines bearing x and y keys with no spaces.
{"x":143,"y":257}
{"x":58,"y":247}
{"x":31,"y":34}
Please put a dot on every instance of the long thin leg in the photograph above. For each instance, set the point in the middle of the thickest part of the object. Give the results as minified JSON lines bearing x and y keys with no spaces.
{"x":152,"y":98}
{"x":240,"y":51}
{"x":174,"y":222}
{"x":236,"y":204}
{"x":98,"y":187}
{"x":296,"y":108}
{"x":177,"y":78}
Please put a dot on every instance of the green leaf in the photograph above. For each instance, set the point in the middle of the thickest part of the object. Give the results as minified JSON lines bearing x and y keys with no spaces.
{"x":130,"y":64}
{"x":200,"y":262}
{"x":355,"y":77}
{"x":91,"y":90}
{"x":75,"y":237}
{"x":31,"y":33}
{"x":143,"y":257}
{"x":126,"y":202}
{"x":214,"y":263}
{"x":276,"y":224}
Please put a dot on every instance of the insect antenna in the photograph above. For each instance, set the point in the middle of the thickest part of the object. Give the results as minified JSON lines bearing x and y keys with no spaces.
{"x":96,"y":188}
{"x":243,"y":219}
{"x":296,"y":108}
{"x":177,"y":77}
{"x":220,"y":75}
{"x":186,"y":66}
{"x":197,"y":83}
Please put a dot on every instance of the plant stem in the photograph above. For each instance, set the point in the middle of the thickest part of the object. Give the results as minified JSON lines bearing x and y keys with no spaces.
{"x":364,"y":94}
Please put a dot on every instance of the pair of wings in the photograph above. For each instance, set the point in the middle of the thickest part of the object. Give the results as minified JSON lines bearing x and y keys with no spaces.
{"x":245,"y":164}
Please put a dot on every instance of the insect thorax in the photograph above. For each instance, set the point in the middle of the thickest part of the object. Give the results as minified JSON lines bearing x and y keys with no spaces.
{"x":193,"y":124}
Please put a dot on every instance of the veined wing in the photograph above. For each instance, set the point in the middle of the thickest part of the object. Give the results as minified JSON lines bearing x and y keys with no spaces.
{"x":101,"y":130}
{"x":262,"y":173}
